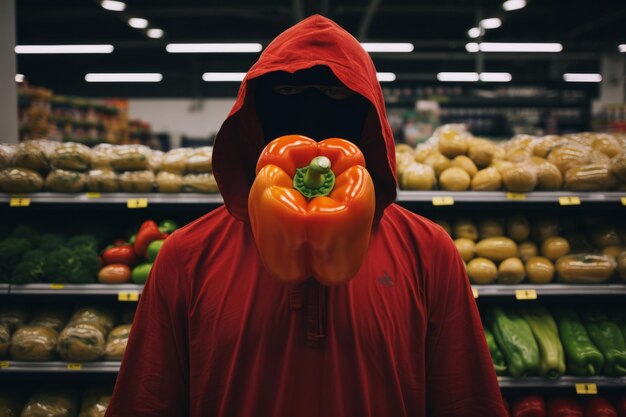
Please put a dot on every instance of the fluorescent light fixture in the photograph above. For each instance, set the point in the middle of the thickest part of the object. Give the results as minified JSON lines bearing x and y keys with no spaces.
{"x":388,"y":47}
{"x":186,"y":48}
{"x":385,"y":76}
{"x":155,"y":33}
{"x":511,"y":5}
{"x":19,"y":78}
{"x":474,"y":32}
{"x":502,"y":77}
{"x":472,"y":47}
{"x":513,"y":47}
{"x":582,"y":78}
{"x":113,"y":5}
{"x":135,"y":77}
{"x":223,"y":76}
{"x":622,"y":47}
{"x":491,"y":23}
{"x":137,"y":23}
{"x":63,"y":49}
{"x":458,"y":76}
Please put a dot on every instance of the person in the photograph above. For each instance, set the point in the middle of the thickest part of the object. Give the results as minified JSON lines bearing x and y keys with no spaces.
{"x":214,"y":335}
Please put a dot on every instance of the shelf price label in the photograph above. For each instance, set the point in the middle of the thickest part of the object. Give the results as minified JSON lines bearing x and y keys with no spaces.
{"x":4,"y":364}
{"x":586,"y":388}
{"x":623,"y":201}
{"x":516,"y":196}
{"x":74,"y":366}
{"x":57,"y":286}
{"x":135,"y":203}
{"x":475,"y":292}
{"x":525,"y":294}
{"x":93,"y":195}
{"x":19,"y":202}
{"x":128,"y":296}
{"x":443,"y":201}
{"x":569,"y":201}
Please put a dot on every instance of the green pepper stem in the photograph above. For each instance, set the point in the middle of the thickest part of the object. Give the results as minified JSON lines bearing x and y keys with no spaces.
{"x":314,"y":176}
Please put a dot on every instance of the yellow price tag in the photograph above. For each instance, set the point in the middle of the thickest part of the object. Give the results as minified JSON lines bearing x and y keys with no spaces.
{"x":475,"y":292}
{"x":74,"y":366}
{"x":94,"y":195}
{"x":57,"y":286}
{"x":516,"y":196}
{"x":134,"y":203}
{"x":19,"y":202}
{"x":586,"y":388}
{"x":128,"y":296}
{"x":569,"y":201}
{"x":525,"y":294}
{"x":623,"y":201}
{"x":4,"y":364}
{"x":443,"y":201}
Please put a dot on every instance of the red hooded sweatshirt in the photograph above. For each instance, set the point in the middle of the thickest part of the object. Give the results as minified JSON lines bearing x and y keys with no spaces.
{"x":214,"y":335}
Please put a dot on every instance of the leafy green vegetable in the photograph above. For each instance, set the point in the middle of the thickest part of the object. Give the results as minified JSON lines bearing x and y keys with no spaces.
{"x":78,"y":266}
{"x":83,"y":241}
{"x":11,"y":251}
{"x":51,"y":241}
{"x":31,"y":268}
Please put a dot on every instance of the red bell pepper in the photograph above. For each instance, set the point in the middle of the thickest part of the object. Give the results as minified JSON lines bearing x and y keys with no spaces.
{"x":621,"y":406}
{"x":564,"y":407}
{"x":148,"y":233}
{"x":599,"y":407}
{"x":124,"y":254}
{"x":120,"y":242}
{"x":530,"y":406}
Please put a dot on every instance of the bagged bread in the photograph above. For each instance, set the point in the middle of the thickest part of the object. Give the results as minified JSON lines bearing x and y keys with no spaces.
{"x":520,"y":178}
{"x":34,"y":155}
{"x":423,"y":151}
{"x":549,"y":177}
{"x":454,"y":179}
{"x":20,"y":180}
{"x":33,"y":343}
{"x":95,"y":402}
{"x":53,"y":318}
{"x":137,"y":181}
{"x":585,"y":268}
{"x":175,"y":161}
{"x":618,"y":166}
{"x":131,"y":158}
{"x":417,"y":176}
{"x":606,"y":143}
{"x":168,"y":182}
{"x":102,"y":318}
{"x":13,"y":316}
{"x":465,"y":164}
{"x":592,"y":177}
{"x":81,"y":343}
{"x":5,"y":340}
{"x":488,"y":179}
{"x":103,"y":180}
{"x":403,"y":160}
{"x":453,"y":140}
{"x":543,"y":145}
{"x":50,"y":404}
{"x":200,"y":183}
{"x":71,"y":156}
{"x":6,"y":155}
{"x":438,"y":162}
{"x":63,"y":181}
{"x":155,"y":160}
{"x":116,"y":343}
{"x":200,"y":160}
{"x":101,"y":156}
{"x":569,"y":156}
{"x":482,"y":152}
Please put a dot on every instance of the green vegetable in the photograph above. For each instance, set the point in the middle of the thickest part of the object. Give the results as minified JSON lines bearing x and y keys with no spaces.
{"x":31,"y":268}
{"x":51,"y":241}
{"x":618,"y":315}
{"x":496,"y":354}
{"x":83,"y":241}
{"x":583,"y":357}
{"x":167,"y":226}
{"x":140,"y":273}
{"x":11,"y":251}
{"x":516,"y":340}
{"x":78,"y":266}
{"x":132,"y":238}
{"x":153,"y":249}
{"x":543,"y":326}
{"x":607,"y":336}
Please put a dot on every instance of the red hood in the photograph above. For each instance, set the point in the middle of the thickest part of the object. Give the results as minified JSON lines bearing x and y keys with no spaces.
{"x":312,"y":42}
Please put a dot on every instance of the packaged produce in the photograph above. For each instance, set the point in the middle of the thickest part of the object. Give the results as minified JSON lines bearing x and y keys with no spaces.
{"x":526,"y":250}
{"x":175,"y":161}
{"x":200,"y":160}
{"x":554,"y":247}
{"x":168,"y":182}
{"x":72,"y":157}
{"x":482,"y":271}
{"x":582,"y":357}
{"x":520,"y":178}
{"x":95,"y":402}
{"x":529,"y":406}
{"x":11,"y":404}
{"x":131,"y":158}
{"x":81,"y":343}
{"x":33,"y":343}
{"x":34,"y":155}
{"x":618,"y":166}
{"x":539,"y":270}
{"x":102,"y":180}
{"x":564,"y":407}
{"x":511,"y":271}
{"x":140,"y":273}
{"x":101,"y":318}
{"x":488,"y":179}
{"x":605,"y":143}
{"x":417,"y":176}
{"x":544,"y":144}
{"x":465,"y":164}
{"x":53,"y":318}
{"x":155,"y":160}
{"x":13,"y":316}
{"x":543,"y":326}
{"x":114,"y":274}
{"x":599,"y":407}
{"x":466,"y":248}
{"x":585,"y":268}
{"x":50,"y":404}
{"x":516,"y":340}
{"x":454,"y":179}
{"x":592,"y":177}
{"x":62,"y":181}
{"x":200,"y":183}
{"x":549,"y":178}
{"x":438,"y":162}
{"x":496,"y":248}
{"x":608,"y":338}
{"x":137,"y":181}
{"x":116,"y":342}
{"x":6,"y":155}
{"x":101,"y":156}
{"x":20,"y":180}
{"x":465,"y":228}
{"x":5,"y":340}
{"x":567,"y":156}
{"x":496,"y":354}
{"x":490,"y":228}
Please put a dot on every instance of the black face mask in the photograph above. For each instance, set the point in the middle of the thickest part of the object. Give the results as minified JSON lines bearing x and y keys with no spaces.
{"x":306,"y":103}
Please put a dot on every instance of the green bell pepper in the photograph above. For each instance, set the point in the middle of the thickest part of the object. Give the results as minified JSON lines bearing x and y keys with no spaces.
{"x":583,"y":357}
{"x":546,"y":334}
{"x":607,"y":336}
{"x":496,"y":354}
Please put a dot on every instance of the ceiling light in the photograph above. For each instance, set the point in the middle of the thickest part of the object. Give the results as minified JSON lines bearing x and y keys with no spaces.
{"x":511,"y":5}
{"x":472,"y":47}
{"x":582,"y":78}
{"x":63,"y":49}
{"x":19,"y":78}
{"x":115,"y":6}
{"x":458,"y":76}
{"x":503,"y":77}
{"x":155,"y":33}
{"x":622,"y":47}
{"x":177,"y":48}
{"x":513,"y":47}
{"x":223,"y":76}
{"x":491,"y":23}
{"x":137,"y":23}
{"x":152,"y":77}
{"x":388,"y":47}
{"x":385,"y":76}
{"x":474,"y":32}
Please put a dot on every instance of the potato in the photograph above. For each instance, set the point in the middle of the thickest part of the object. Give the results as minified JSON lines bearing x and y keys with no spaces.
{"x":527,"y":250}
{"x":417,"y":177}
{"x":592,"y":177}
{"x":539,"y":270}
{"x":454,"y":179}
{"x":554,"y":247}
{"x":482,"y":271}
{"x":520,"y":178}
{"x":488,"y":179}
{"x":465,"y":228}
{"x":511,"y":271}
{"x":466,"y":248}
{"x":518,"y":228}
{"x":465,"y":164}
{"x":496,"y":248}
{"x":490,"y":228}
{"x":438,"y":162}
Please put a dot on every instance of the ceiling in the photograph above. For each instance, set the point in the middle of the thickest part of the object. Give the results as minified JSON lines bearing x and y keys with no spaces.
{"x":437,"y":28}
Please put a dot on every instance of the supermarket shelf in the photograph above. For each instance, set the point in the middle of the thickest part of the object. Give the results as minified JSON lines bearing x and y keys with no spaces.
{"x":74,"y":289}
{"x":13,"y":367}
{"x":493,"y":291}
{"x":117,"y":198}
{"x":4,"y":289}
{"x":506,"y":197}
{"x":563,"y":382}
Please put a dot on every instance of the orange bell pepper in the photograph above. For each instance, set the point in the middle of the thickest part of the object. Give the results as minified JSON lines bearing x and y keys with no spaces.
{"x":311,"y":209}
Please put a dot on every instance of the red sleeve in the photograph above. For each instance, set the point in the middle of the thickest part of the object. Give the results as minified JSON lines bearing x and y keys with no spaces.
{"x":460,"y":378}
{"x":153,"y":379}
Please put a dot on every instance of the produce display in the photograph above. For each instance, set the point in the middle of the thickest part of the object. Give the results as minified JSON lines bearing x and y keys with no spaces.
{"x":596,"y":406}
{"x":454,"y":160}
{"x":39,"y":165}
{"x":550,"y":343}
{"x":56,"y":403}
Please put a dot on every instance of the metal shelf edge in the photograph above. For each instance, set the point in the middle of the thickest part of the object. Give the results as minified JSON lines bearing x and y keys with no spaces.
{"x":563,"y":382}
{"x":73,"y":289}
{"x":551,"y":289}
{"x":106,"y":367}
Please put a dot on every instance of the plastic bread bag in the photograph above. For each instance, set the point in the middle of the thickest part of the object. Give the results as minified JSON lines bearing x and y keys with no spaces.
{"x":53,"y":403}
{"x":618,"y":166}
{"x":568,"y":156}
{"x":200,"y":160}
{"x":6,"y":155}
{"x":103,"y":180}
{"x":116,"y":343}
{"x":200,"y":183}
{"x":417,"y":176}
{"x":155,"y":160}
{"x":175,"y":161}
{"x":20,"y":180}
{"x":63,"y":181}
{"x":81,"y":343}
{"x":591,"y":177}
{"x":34,"y":154}
{"x":102,"y":318}
{"x":95,"y":402}
{"x":585,"y":268}
{"x":137,"y":181}
{"x":33,"y":343}
{"x":168,"y":182}
{"x":101,"y":156}
{"x":13,"y":316}
{"x":53,"y":318}
{"x":71,"y":156}
{"x":131,"y":158}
